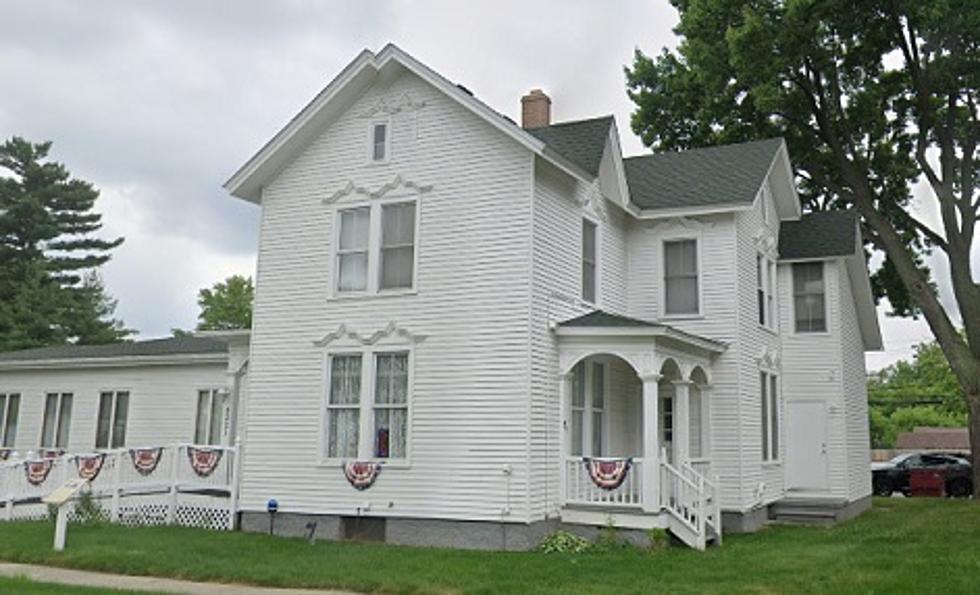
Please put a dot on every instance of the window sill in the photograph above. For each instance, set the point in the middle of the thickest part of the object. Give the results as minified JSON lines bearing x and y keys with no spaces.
{"x":386,"y":463}
{"x":680,"y":317}
{"x":363,"y":295}
{"x":811,"y":333}
{"x":772,"y":464}
{"x":769,"y":330}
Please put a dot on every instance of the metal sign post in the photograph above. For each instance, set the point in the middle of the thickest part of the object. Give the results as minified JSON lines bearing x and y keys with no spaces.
{"x":59,"y":498}
{"x":273,"y":507}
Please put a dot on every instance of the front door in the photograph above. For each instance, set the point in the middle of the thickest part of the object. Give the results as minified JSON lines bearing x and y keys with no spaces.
{"x":806,"y":445}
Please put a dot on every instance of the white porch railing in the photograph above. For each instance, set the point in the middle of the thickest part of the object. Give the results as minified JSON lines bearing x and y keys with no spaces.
{"x":580,"y":490}
{"x":173,"y":492}
{"x":692,"y":502}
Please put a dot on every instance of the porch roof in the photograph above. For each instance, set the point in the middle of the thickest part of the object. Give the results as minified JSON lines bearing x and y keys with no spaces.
{"x":599,"y":322}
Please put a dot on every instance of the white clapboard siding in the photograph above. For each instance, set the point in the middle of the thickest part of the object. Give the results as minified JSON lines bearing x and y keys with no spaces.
{"x":719,"y":321}
{"x":755,"y":234}
{"x":855,"y":393}
{"x":812,"y":370}
{"x":469,"y":408}
{"x":162,"y":401}
{"x":557,"y":213}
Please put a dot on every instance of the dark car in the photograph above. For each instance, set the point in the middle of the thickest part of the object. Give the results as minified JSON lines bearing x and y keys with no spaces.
{"x":893,"y":476}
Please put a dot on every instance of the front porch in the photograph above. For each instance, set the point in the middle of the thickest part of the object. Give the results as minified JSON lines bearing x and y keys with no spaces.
{"x":635,"y":426}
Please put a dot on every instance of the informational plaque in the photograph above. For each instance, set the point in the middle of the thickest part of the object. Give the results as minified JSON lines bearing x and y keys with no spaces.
{"x":64,"y":493}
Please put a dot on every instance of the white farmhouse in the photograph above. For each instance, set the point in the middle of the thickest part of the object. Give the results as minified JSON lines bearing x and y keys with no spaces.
{"x":470,"y":333}
{"x":522,"y":328}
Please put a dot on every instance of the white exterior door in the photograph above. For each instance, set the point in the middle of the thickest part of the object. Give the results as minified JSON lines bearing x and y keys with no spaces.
{"x":806,"y":445}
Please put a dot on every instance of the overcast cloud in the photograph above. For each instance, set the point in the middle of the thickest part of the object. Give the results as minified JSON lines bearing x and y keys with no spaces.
{"x":158,"y":103}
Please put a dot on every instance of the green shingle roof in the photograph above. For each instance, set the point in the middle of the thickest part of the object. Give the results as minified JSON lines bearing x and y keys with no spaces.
{"x":726,"y":174}
{"x":598,"y":318}
{"x":582,"y":141}
{"x":819,"y":235}
{"x":155,"y":347}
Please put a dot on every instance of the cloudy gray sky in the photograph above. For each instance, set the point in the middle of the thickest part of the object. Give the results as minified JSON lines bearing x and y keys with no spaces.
{"x":158,"y":103}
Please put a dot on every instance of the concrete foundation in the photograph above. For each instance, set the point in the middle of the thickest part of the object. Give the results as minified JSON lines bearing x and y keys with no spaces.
{"x":470,"y":535}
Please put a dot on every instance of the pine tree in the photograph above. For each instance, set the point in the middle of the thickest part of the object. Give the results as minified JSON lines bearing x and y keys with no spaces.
{"x":50,"y":292}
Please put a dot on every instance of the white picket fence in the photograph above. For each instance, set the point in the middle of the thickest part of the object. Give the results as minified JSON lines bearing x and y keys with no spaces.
{"x":173,"y":492}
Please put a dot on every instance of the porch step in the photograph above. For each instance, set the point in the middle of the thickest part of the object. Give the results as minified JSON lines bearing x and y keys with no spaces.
{"x":807,"y":511}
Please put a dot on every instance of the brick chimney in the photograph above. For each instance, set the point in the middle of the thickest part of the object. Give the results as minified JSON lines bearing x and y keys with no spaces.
{"x":535,"y":109}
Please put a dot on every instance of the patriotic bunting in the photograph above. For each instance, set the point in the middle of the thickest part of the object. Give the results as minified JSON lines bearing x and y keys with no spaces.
{"x":37,"y":471}
{"x":607,"y":474}
{"x":204,"y":460}
{"x":361,"y":475}
{"x":89,"y":466}
{"x":52,"y":453}
{"x":145,"y":460}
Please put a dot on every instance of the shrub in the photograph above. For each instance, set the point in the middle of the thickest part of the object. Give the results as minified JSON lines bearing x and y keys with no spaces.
{"x":563,"y":542}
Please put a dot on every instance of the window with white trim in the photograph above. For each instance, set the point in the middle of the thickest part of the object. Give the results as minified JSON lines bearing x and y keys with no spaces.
{"x":352,"y":411}
{"x":397,"y":245}
{"x":110,"y":431}
{"x":589,"y":261}
{"x":379,"y":141}
{"x":9,"y":412}
{"x":765,"y":275}
{"x":212,"y":416}
{"x":57,"y":420}
{"x":375,"y":247}
{"x":769,"y":408}
{"x":809,"y":298}
{"x":588,"y":409}
{"x":681,"y":289}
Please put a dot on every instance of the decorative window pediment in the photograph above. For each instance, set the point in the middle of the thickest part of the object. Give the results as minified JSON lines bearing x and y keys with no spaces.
{"x":393,"y":105}
{"x":768,"y":359}
{"x":398,"y":186}
{"x":392,"y":334}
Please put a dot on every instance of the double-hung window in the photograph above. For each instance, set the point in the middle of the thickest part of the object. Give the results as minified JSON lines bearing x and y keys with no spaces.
{"x":375,"y":248}
{"x":9,"y":410}
{"x":681,"y":295}
{"x":379,"y":141}
{"x":397,"y":245}
{"x":390,"y":405}
{"x":57,"y":420}
{"x":209,"y":427}
{"x":588,"y":409}
{"x":352,"y":249}
{"x":588,"y":261}
{"x":352,"y":411}
{"x":809,"y":300}
{"x":769,"y":407}
{"x":110,"y":431}
{"x":765,"y":274}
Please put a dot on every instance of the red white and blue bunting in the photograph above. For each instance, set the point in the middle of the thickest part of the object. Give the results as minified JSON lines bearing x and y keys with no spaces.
{"x":361,"y":474}
{"x":204,"y":460}
{"x":145,"y":460}
{"x":89,"y":466}
{"x":606,"y":473}
{"x":52,"y":453}
{"x":37,"y":471}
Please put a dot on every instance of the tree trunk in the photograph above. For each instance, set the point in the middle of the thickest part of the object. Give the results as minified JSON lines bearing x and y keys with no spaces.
{"x":973,"y":403}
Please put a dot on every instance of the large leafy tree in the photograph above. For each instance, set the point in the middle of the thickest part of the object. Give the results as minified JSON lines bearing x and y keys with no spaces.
{"x":871,"y":97}
{"x":226,"y":305}
{"x":49,"y":254}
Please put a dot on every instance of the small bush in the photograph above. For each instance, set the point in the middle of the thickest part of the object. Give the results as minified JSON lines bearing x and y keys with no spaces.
{"x":609,"y":538}
{"x":88,"y":510}
{"x":563,"y":542}
{"x":658,"y":538}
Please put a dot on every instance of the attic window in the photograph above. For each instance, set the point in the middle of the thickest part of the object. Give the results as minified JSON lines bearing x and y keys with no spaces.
{"x":379,"y":141}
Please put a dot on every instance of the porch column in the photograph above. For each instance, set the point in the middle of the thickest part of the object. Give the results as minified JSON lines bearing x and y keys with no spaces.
{"x":682,"y":422}
{"x":651,"y":457}
{"x":564,"y":420}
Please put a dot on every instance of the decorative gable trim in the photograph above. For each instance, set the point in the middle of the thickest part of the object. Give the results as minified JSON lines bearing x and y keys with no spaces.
{"x":769,"y":359}
{"x":392,"y":333}
{"x":389,"y":106}
{"x":397,"y":183}
{"x":680,"y":224}
{"x":765,"y":242}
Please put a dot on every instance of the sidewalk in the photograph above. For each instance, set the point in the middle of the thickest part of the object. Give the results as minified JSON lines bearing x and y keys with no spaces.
{"x":64,"y":576}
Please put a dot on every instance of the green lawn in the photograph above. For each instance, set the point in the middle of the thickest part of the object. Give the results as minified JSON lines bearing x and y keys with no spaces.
{"x":902,"y":546}
{"x":22,"y":585}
